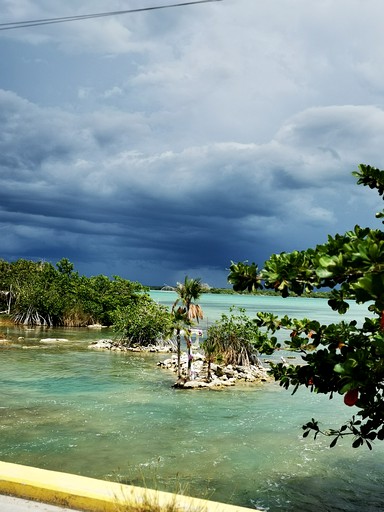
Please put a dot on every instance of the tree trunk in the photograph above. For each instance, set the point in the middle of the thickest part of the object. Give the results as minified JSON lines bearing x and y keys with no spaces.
{"x":189,"y":346}
{"x":178,"y":353}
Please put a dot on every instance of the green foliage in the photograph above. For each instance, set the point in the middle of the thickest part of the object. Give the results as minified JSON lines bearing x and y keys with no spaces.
{"x":339,"y":358}
{"x":221,"y":291}
{"x":371,"y":177}
{"x":187,"y":293}
{"x":37,"y":295}
{"x":142,"y":322}
{"x":244,"y":277}
{"x":43,"y":294}
{"x":101,"y":296}
{"x":236,"y":339}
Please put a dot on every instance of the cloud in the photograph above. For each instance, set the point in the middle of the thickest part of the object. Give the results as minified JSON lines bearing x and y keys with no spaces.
{"x":155,"y":145}
{"x":65,"y":188}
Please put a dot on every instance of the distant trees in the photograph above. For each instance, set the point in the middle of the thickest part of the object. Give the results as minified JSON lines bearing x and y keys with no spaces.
{"x":341,"y":358}
{"x":44,"y":294}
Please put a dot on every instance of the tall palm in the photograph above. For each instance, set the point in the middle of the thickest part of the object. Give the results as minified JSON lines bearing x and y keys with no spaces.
{"x":186,"y":311}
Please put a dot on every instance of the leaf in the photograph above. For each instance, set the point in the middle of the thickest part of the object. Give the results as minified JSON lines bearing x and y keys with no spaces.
{"x":334,"y":442}
{"x":339,"y":368}
{"x":323,"y":273}
{"x":357,"y":442}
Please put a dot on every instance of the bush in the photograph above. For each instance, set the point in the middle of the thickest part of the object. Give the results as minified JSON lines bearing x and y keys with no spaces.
{"x":142,"y":322}
{"x":42,"y":294}
{"x":235,"y":339}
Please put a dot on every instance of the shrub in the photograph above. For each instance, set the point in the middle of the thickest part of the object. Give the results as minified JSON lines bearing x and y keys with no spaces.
{"x":142,"y":322}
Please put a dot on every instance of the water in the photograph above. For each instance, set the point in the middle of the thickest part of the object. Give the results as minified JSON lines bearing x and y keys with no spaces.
{"x":115,"y":416}
{"x":317,"y":309}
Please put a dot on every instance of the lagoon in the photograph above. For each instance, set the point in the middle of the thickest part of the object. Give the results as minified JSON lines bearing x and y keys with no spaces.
{"x":115,"y":416}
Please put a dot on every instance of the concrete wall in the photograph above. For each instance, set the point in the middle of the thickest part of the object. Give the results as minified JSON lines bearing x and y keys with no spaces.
{"x":89,"y":494}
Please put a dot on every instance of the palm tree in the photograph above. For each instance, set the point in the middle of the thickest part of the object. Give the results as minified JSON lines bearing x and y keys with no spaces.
{"x":186,"y":311}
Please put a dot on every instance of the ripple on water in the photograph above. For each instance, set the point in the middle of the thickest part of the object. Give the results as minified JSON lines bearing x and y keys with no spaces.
{"x":110,"y":415}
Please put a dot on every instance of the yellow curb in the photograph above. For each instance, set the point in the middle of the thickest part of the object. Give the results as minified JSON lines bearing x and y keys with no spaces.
{"x":91,"y":495}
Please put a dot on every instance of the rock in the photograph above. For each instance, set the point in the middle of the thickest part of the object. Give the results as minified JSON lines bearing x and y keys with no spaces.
{"x":219,"y":370}
{"x":228,"y":382}
{"x":215,"y":383}
{"x":221,"y":376}
{"x":102,"y":344}
{"x":190,"y":384}
{"x":52,"y":340}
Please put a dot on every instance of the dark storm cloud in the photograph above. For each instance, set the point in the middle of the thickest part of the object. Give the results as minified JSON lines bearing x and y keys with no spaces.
{"x":158,"y":145}
{"x":72,"y":196}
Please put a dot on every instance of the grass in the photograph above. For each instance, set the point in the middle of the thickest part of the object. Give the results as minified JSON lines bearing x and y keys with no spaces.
{"x":153,"y":500}
{"x":148,"y":506}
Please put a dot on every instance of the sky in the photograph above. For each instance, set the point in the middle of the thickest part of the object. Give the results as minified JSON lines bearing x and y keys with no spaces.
{"x":158,"y":144}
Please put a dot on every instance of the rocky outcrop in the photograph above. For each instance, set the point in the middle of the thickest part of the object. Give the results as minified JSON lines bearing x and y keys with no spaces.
{"x":118,"y":346}
{"x":220,"y":375}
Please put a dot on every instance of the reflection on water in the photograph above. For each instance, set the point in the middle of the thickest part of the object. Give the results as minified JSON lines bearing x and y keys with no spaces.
{"x":115,"y":416}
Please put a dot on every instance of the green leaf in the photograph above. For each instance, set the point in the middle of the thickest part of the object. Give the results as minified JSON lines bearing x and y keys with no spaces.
{"x":339,"y":368}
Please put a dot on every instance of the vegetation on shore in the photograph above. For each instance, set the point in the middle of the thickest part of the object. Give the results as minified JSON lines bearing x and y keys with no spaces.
{"x":230,"y":291}
{"x":270,"y":293}
{"x":235,"y":339}
{"x":142,"y":322}
{"x":39,"y":293}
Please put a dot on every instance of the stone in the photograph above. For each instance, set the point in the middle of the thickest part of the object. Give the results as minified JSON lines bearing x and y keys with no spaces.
{"x":102,"y":344}
{"x":52,"y":340}
{"x":195,"y":384}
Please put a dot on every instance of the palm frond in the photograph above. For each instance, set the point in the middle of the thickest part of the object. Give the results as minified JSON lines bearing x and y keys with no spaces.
{"x":195,"y":312}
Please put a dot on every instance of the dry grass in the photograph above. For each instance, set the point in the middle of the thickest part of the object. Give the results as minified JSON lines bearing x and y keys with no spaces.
{"x":153,"y":500}
{"x":6,"y":320}
{"x":151,"y":504}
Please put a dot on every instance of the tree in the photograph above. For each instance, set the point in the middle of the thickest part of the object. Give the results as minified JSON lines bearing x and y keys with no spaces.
{"x":185,"y":311}
{"x":37,"y":298}
{"x":343,"y":357}
{"x":43,"y":294}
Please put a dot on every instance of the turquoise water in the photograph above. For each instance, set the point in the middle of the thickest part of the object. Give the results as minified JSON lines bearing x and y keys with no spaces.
{"x":115,"y":416}
{"x":215,"y":304}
